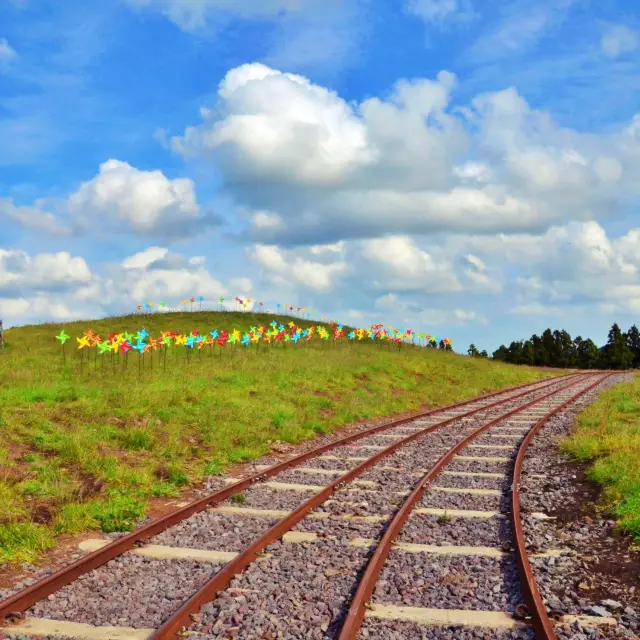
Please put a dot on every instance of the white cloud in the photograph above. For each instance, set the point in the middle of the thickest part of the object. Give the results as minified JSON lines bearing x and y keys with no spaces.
{"x":41,"y":308}
{"x":536,"y":309}
{"x":439,"y":11}
{"x":191,"y":15}
{"x":147,"y":202}
{"x":575,"y":264}
{"x":243,"y":285}
{"x":145,"y":258}
{"x":448,"y":317}
{"x":619,"y":39}
{"x":521,"y":25}
{"x":315,"y":169}
{"x":405,"y":267}
{"x":156,"y":274}
{"x":43,"y":272}
{"x":302,"y":132}
{"x":7,"y":52}
{"x":337,"y":247}
{"x":284,"y":270}
{"x":32,"y":218}
{"x":264,"y":220}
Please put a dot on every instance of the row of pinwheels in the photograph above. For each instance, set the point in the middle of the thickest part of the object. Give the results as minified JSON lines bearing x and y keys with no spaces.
{"x":274,"y":333}
{"x":241,"y":304}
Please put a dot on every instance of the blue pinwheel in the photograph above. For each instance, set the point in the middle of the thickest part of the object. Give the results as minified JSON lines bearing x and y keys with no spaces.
{"x":245,"y":339}
{"x":352,"y":335}
{"x":139,"y":346}
{"x":214,"y":334}
{"x":190,"y":341}
{"x":281,"y":327}
{"x":305,"y":333}
{"x":339,"y":327}
{"x":273,"y":323}
{"x":199,"y":339}
{"x":295,"y":337}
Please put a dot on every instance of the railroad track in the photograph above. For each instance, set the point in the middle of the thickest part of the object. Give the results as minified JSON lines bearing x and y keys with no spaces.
{"x":371,"y":535}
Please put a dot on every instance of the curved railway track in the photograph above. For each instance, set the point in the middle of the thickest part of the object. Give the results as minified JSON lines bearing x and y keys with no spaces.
{"x":230,"y":561}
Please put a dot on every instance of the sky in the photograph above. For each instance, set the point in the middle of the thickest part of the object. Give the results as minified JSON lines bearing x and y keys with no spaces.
{"x":466,"y":168}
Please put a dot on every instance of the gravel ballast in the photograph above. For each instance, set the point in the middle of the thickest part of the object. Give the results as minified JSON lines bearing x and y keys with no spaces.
{"x":427,"y":529}
{"x":129,"y":591}
{"x":449,"y":582}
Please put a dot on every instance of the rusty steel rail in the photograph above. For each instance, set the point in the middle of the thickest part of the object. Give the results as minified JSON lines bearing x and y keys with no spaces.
{"x":13,"y":607}
{"x":173,"y":626}
{"x":357,"y":609}
{"x":541,"y":622}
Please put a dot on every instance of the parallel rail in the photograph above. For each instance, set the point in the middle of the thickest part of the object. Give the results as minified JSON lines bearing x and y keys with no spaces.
{"x":13,"y":608}
{"x":537,"y":610}
{"x":183,"y":616}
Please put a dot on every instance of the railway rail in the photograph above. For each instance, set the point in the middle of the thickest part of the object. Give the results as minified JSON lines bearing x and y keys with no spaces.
{"x":234,"y":553}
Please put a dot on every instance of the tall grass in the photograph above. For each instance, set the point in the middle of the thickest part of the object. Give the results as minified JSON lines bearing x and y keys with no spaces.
{"x":608,"y":435}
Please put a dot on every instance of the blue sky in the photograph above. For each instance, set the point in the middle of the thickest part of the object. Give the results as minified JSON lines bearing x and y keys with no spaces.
{"x":461,"y":167}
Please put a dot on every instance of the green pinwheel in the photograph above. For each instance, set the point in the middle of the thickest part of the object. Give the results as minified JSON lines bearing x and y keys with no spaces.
{"x":104,"y":347}
{"x":63,"y":337}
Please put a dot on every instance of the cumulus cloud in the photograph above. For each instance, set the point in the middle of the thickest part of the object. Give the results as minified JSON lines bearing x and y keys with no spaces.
{"x":157,"y":273}
{"x":404,"y":267}
{"x":312,"y":168}
{"x":572,"y":264}
{"x":146,"y":202}
{"x":283,"y":270}
{"x":43,"y":272}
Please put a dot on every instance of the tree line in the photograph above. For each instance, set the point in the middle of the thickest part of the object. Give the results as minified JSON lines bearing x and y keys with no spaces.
{"x":558,"y":349}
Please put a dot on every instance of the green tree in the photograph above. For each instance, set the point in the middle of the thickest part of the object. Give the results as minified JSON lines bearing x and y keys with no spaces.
{"x":587,"y":353}
{"x":484,"y":354}
{"x":616,"y":353}
{"x":514,"y":353}
{"x":500,"y":353}
{"x":528,"y":354}
{"x":473,"y":351}
{"x":633,"y":342}
{"x":548,"y":347}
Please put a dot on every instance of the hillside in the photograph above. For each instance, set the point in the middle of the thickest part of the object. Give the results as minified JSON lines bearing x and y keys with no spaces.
{"x":87,"y":443}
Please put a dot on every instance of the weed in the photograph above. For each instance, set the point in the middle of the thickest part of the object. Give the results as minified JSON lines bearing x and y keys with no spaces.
{"x":238,"y":498}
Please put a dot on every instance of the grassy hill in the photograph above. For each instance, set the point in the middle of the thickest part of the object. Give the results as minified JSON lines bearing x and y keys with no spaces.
{"x":85,"y":444}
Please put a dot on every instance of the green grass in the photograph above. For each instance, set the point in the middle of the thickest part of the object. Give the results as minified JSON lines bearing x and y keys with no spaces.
{"x":608,"y":434}
{"x":88,"y":446}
